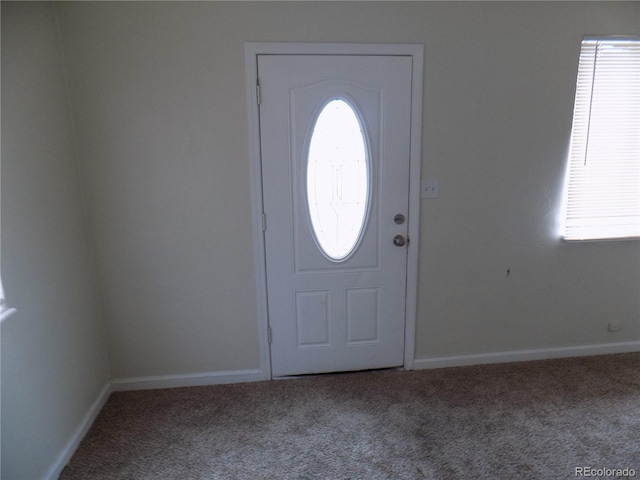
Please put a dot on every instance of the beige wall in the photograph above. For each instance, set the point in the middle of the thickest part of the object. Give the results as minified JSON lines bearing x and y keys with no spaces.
{"x":158,"y":94}
{"x":54,"y":359}
{"x":158,"y":101}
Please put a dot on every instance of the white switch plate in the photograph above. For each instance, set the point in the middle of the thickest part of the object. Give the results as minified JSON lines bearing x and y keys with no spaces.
{"x":430,"y":188}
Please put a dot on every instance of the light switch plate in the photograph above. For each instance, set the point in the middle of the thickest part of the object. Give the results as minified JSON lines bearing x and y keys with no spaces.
{"x":430,"y":188}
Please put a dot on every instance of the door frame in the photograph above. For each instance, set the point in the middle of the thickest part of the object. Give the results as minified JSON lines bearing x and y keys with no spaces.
{"x":416,"y":52}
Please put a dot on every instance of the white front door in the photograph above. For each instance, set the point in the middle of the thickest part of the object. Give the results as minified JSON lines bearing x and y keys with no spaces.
{"x":335,"y":134}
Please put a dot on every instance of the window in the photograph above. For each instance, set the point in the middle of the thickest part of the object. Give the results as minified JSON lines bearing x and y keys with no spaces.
{"x":337,"y":180}
{"x":2,"y":302}
{"x":5,"y":311}
{"x":603,"y":187}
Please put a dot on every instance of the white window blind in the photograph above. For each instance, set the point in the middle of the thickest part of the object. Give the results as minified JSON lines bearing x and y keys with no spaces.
{"x":603,"y":191}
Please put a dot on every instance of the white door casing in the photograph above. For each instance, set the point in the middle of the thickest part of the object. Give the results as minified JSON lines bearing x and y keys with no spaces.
{"x":324,"y":314}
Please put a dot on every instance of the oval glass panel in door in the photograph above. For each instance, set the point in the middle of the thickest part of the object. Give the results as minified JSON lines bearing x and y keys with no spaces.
{"x":337,"y":180}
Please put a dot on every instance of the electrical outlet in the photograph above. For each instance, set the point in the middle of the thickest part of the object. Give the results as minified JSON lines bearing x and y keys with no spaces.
{"x":430,"y":188}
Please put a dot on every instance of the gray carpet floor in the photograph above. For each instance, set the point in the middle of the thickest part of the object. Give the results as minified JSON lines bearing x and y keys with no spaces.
{"x":531,"y":420}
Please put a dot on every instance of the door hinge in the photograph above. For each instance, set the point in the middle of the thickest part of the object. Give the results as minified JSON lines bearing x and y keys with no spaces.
{"x":264,"y":222}
{"x":258,"y":97}
{"x":269,"y":335}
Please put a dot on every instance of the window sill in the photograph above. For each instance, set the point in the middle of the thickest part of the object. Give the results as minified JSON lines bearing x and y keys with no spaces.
{"x":599,"y":240}
{"x":6,"y":313}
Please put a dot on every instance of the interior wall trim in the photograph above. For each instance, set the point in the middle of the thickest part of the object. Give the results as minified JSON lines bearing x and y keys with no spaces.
{"x":72,"y":445}
{"x":187,"y":380}
{"x":527,"y":355}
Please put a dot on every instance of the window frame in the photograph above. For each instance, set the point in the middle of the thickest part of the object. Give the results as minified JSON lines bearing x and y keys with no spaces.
{"x":574,"y":228}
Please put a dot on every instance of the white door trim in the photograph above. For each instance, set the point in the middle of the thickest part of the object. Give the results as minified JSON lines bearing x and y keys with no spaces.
{"x":416,"y":52}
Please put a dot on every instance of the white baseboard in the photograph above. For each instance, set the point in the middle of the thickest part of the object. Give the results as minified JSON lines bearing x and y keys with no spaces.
{"x":526,"y":355}
{"x":187,"y":380}
{"x":70,"y":448}
{"x":143,"y":383}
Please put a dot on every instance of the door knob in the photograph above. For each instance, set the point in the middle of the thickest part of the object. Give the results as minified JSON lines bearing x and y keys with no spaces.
{"x":399,"y":241}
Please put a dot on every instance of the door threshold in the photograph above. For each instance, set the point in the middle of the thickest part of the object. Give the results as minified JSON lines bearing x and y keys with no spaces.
{"x":347,"y":372}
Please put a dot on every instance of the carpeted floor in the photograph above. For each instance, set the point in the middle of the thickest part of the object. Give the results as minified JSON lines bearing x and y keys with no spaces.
{"x":535,"y":420}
